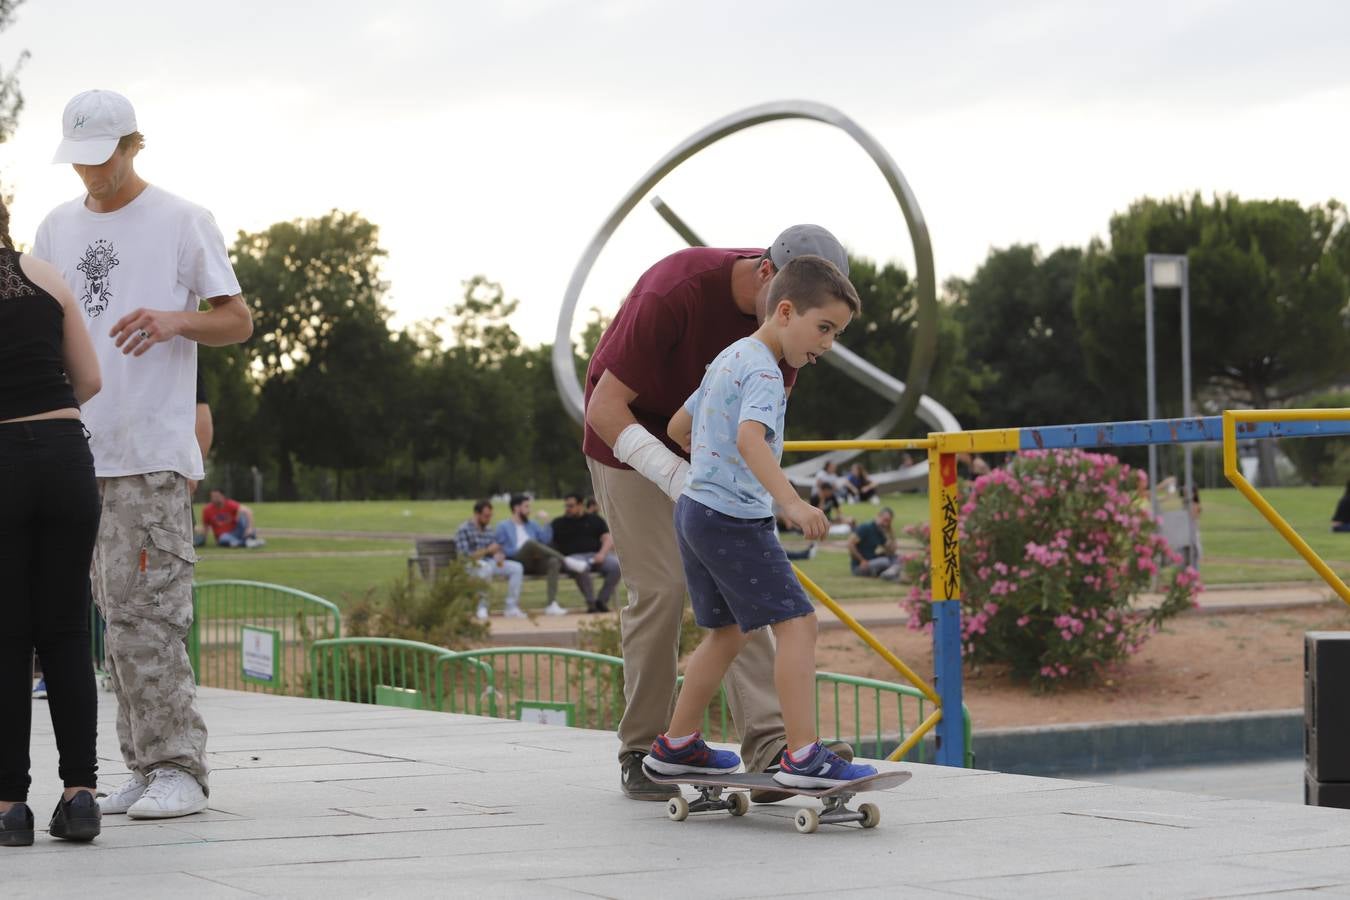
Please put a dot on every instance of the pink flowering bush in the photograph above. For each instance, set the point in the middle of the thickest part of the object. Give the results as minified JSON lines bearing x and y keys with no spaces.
{"x":1053,"y":550}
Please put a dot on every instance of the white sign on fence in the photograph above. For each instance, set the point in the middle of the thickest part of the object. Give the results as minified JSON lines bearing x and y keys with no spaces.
{"x":261,"y":648}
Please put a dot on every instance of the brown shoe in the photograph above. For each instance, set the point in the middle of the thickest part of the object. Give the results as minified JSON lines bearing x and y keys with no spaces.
{"x":637,"y":786}
{"x":843,"y":749}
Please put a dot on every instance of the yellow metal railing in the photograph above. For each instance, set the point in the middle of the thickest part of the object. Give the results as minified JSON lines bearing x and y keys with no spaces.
{"x":853,"y":624}
{"x":1230,"y":470}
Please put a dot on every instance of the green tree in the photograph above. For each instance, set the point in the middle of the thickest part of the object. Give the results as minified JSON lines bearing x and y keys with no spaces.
{"x":11,"y":98}
{"x":316,"y":292}
{"x":1020,"y":334}
{"x":1268,"y":303}
{"x":341,"y":417}
{"x":233,"y":397}
{"x":827,"y":404}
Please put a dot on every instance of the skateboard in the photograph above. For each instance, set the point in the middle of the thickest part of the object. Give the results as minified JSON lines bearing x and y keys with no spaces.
{"x":835,"y":799}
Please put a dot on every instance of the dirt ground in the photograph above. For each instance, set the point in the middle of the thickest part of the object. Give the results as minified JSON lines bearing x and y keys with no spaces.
{"x":1197,"y":665}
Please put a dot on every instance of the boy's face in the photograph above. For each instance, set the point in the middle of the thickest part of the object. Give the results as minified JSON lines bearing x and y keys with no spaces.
{"x":808,"y":336}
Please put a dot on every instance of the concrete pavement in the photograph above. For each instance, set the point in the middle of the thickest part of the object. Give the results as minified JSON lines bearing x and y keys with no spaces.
{"x":321,"y":799}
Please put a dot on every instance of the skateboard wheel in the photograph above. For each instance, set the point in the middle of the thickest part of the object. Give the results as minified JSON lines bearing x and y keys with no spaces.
{"x":739,"y":804}
{"x":871,"y":815}
{"x":677,"y":809}
{"x":807,"y":821}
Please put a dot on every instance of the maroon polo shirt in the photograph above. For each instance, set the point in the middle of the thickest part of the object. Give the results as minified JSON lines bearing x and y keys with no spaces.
{"x":674,"y":322}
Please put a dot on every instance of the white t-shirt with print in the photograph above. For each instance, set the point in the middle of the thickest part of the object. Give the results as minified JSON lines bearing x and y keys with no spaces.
{"x":158,"y":252}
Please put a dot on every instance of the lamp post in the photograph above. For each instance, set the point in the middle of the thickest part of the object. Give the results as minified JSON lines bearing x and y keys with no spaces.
{"x":1163,"y":270}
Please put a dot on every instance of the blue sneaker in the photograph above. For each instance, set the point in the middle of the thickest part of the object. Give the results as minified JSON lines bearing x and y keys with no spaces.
{"x":40,"y":689}
{"x":822,"y":768}
{"x":694,"y":758}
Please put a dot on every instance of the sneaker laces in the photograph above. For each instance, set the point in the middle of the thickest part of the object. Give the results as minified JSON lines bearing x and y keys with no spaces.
{"x":162,"y":782}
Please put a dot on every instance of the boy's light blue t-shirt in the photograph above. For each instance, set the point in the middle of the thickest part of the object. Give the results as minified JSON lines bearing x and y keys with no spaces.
{"x":742,"y":384}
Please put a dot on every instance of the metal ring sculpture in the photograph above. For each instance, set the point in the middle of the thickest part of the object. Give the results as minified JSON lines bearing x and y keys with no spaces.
{"x":906,"y":401}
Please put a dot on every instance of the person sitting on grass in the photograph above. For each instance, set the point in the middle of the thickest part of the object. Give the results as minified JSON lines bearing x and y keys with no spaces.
{"x":1340,"y":520}
{"x":827,"y":501}
{"x":863,"y":485}
{"x":871,"y":548}
{"x":230,"y":521}
{"x":739,"y":579}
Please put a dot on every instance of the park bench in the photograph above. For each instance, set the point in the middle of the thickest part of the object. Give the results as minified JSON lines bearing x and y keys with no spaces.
{"x":431,"y":555}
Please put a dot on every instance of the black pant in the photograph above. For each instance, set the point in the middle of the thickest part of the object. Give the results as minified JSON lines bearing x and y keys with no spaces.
{"x":49,"y":511}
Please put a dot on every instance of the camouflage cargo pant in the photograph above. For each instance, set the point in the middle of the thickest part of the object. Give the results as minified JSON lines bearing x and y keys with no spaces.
{"x":142,"y":578}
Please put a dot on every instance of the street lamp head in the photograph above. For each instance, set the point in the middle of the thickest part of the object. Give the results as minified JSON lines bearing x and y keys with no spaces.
{"x":1167,"y":271}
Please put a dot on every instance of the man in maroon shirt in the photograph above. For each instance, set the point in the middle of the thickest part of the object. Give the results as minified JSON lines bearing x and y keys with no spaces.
{"x":682,"y":312}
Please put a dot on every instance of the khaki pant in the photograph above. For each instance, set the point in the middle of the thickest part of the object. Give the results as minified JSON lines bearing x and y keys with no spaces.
{"x":142,"y":583}
{"x":642,"y":520}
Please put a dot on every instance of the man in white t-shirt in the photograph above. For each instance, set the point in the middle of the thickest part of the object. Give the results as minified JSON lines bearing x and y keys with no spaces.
{"x":141,"y":262}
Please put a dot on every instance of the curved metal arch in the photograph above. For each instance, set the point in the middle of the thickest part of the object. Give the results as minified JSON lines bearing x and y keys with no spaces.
{"x":906,"y":395}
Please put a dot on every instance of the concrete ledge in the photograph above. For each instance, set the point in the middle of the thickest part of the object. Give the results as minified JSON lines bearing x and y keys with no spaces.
{"x":1125,"y":746}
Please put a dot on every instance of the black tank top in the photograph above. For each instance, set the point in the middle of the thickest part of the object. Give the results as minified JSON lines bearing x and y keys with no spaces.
{"x":32,"y":366}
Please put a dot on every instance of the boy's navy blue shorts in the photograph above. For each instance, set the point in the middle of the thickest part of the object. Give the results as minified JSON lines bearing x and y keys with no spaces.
{"x":736,"y":569}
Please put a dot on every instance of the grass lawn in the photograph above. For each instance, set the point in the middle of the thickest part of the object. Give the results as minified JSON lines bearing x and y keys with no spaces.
{"x":1239,"y":545}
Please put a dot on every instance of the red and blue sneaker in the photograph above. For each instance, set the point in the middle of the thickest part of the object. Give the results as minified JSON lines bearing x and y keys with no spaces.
{"x":693,"y":757}
{"x":822,"y":768}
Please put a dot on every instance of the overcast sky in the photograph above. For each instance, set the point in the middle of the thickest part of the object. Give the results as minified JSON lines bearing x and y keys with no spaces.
{"x":495,"y":137}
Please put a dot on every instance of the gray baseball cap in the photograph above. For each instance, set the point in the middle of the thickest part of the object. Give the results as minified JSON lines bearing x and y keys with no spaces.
{"x":807,"y":240}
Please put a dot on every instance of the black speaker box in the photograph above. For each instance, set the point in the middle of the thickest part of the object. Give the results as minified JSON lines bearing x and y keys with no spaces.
{"x":1326,"y":707}
{"x":1325,"y":793}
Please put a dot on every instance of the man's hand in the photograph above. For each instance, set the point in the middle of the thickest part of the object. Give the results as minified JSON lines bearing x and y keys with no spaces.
{"x":141,"y":328}
{"x":810,"y":520}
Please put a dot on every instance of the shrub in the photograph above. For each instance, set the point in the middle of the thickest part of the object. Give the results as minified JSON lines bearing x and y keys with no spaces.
{"x":439,"y":612}
{"x":1054,"y":548}
{"x":603,"y":634}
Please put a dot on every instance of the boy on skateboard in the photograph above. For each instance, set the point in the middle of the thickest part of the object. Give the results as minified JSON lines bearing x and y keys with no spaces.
{"x":738,"y":574}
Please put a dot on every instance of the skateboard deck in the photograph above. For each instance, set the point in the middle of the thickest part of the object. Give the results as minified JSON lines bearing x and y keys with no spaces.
{"x":835,"y":799}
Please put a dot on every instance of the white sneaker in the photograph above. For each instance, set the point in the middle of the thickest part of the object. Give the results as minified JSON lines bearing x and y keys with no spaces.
{"x":254,"y":542}
{"x":482,"y":614}
{"x":514,"y":612}
{"x":554,"y":609}
{"x":171,"y":793}
{"x":121,"y":800}
{"x":576,"y":566}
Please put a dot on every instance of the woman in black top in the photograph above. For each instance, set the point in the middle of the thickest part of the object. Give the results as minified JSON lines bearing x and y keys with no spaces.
{"x":49,"y":511}
{"x":1340,"y":519}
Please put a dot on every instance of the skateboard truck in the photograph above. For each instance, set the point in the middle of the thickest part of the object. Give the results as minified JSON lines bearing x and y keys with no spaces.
{"x":835,"y":811}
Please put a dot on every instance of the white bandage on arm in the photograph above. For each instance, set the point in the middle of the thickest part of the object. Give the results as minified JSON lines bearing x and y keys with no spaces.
{"x":642,"y":450}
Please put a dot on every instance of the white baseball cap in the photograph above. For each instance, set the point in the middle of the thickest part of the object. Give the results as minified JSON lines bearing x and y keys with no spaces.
{"x":93,"y":123}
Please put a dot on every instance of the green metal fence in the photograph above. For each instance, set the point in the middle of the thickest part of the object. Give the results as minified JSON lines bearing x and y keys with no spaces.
{"x":875,"y":716}
{"x":583,"y":689}
{"x":394,"y":672}
{"x":251,"y":636}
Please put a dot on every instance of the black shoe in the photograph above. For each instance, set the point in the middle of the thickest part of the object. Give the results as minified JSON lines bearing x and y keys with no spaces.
{"x":842,"y":749}
{"x":16,"y":826}
{"x":636,"y":784}
{"x":77,"y":819}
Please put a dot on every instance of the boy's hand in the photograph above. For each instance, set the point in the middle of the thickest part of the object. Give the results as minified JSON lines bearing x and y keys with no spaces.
{"x":810,"y":520}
